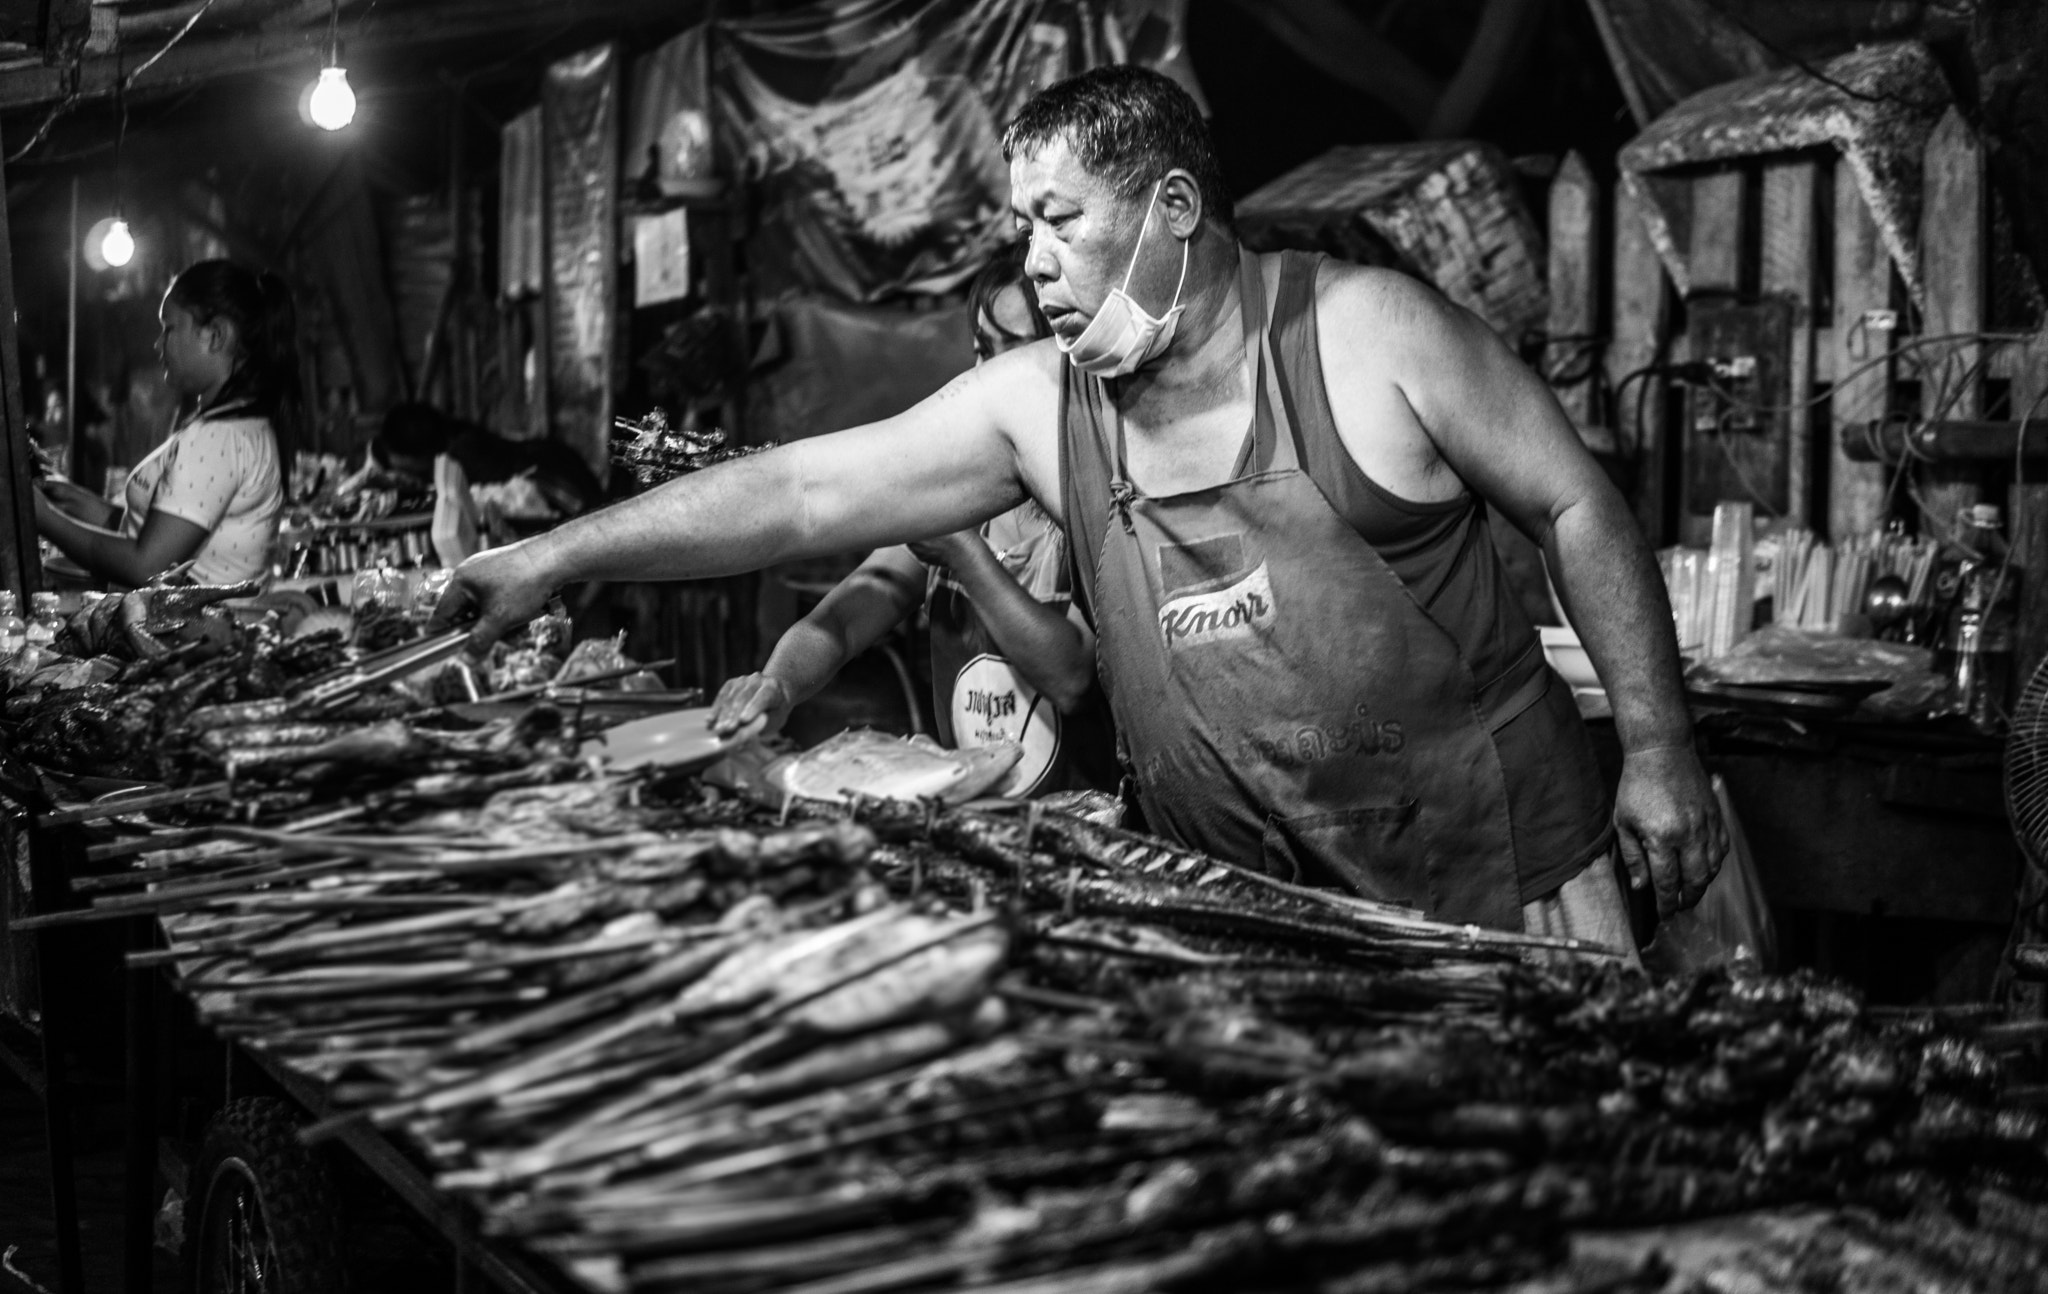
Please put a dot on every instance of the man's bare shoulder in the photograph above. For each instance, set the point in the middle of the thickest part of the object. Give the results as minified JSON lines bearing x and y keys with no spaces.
{"x":1016,"y":395}
{"x":1396,"y":312}
{"x":1019,"y":389}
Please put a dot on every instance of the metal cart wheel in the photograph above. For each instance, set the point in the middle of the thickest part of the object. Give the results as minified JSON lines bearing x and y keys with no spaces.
{"x":260,"y":1214}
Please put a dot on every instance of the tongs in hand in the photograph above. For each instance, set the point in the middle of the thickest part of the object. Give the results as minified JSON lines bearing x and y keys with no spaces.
{"x":337,"y":688}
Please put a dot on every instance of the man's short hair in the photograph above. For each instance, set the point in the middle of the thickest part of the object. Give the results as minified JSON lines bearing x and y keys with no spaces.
{"x":1129,"y":125}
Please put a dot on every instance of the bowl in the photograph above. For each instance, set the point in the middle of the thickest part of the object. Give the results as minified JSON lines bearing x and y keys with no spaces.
{"x":1567,"y":655}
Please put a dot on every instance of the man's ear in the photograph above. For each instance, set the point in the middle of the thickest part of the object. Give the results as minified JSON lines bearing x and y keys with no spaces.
{"x":1180,"y":198}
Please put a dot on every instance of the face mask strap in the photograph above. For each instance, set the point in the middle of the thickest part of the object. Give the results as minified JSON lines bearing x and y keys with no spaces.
{"x":1132,"y":267}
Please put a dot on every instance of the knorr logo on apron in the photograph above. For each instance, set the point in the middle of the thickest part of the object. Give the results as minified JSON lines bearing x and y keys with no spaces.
{"x":993,"y":703}
{"x":1238,"y":611}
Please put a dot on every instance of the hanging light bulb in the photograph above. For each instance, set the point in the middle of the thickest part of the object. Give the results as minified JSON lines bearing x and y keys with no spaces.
{"x":329,"y":103}
{"x":332,"y":104}
{"x":117,"y":245}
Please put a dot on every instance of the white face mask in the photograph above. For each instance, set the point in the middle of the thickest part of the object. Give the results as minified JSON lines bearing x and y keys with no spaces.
{"x":1122,"y":336}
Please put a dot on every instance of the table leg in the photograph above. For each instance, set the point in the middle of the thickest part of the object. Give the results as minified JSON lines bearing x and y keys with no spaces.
{"x":138,"y":1205}
{"x":47,"y":880}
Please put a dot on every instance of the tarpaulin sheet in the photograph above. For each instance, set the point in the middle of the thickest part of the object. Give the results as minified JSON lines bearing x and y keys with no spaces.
{"x":870,"y":127}
{"x":852,"y":364}
{"x":580,"y":132}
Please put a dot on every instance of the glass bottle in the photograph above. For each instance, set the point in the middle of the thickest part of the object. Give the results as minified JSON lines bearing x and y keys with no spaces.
{"x":46,"y":622}
{"x":13,"y":629}
{"x":1977,"y":646}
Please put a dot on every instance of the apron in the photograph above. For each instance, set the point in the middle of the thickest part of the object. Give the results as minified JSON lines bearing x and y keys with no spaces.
{"x":1281,"y":696}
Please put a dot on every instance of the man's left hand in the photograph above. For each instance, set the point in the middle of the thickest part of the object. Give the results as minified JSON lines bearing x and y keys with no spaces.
{"x":1669,"y":825}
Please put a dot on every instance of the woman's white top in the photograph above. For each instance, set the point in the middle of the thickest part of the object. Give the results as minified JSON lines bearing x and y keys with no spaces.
{"x":220,"y":472}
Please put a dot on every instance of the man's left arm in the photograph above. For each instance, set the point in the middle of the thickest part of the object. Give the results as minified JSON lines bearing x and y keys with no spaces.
{"x":1500,"y":429}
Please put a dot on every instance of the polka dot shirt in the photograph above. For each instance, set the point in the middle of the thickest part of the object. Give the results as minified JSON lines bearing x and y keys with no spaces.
{"x":219,"y":473}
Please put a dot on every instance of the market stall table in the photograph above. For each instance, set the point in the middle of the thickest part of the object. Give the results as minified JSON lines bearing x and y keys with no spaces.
{"x":655,"y":1032}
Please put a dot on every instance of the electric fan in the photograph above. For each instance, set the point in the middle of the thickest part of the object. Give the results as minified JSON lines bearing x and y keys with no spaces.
{"x":2026,"y":802}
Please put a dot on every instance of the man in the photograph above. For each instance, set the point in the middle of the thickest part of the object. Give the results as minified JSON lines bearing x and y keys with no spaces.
{"x":1010,"y":659}
{"x":1288,"y":688}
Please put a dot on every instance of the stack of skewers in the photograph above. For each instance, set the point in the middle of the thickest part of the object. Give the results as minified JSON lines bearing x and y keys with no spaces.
{"x":683,"y":1044}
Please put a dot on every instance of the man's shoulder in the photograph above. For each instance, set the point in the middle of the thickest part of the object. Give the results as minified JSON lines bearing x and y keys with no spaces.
{"x":1019,"y":388}
{"x":1377,"y":297}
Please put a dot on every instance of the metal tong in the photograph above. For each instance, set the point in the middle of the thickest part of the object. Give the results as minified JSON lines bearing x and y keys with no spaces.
{"x":338,"y":687}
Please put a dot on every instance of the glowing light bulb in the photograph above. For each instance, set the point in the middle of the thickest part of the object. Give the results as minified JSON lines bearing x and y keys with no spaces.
{"x":118,"y":246}
{"x":332,"y":104}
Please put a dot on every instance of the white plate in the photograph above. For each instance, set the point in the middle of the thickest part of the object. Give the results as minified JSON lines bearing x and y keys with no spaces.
{"x":676,"y":739}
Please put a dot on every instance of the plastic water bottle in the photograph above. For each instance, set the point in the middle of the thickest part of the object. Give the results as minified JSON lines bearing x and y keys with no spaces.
{"x":13,"y":629}
{"x":46,"y":622}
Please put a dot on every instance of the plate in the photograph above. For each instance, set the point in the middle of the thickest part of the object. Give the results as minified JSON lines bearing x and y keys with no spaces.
{"x":678,"y":739}
{"x":1836,"y":699}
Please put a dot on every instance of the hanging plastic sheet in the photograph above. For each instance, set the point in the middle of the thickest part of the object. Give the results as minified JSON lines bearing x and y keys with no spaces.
{"x":580,"y":132}
{"x":521,"y":251}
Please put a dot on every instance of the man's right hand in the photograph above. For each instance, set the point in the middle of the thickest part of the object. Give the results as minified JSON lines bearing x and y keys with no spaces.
{"x":748,"y":697}
{"x":495,"y":591}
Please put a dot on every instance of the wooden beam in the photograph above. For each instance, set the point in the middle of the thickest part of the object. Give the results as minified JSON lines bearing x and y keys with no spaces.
{"x":1949,"y":442}
{"x":1496,"y":51}
{"x":1863,"y":283}
{"x":1790,"y":243}
{"x":1618,"y":59}
{"x":1714,"y":259}
{"x":1638,"y":342}
{"x":1713,"y":265}
{"x":21,"y":566}
{"x":1953,"y":229}
{"x":1575,"y":288}
{"x":195,"y":59}
{"x":2028,"y":505}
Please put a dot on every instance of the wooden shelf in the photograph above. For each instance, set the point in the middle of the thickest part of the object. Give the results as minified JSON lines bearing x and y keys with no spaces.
{"x":403,"y":521}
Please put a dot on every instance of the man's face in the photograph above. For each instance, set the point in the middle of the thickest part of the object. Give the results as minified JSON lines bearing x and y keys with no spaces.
{"x":1081,"y":236}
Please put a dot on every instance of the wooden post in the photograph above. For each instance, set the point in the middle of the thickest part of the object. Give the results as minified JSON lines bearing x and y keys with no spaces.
{"x":2028,"y":505}
{"x":1638,"y":327}
{"x":1714,"y":259}
{"x":21,"y":568}
{"x":1857,"y":500}
{"x":1790,"y":243}
{"x":1952,"y":237}
{"x":1575,"y":293}
{"x":1714,"y":264}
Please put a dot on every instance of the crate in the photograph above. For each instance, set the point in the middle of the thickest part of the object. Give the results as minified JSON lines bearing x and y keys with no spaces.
{"x":1836,"y":275}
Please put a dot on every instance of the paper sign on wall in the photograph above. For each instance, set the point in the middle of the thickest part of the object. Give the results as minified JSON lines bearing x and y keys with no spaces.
{"x":661,"y":257}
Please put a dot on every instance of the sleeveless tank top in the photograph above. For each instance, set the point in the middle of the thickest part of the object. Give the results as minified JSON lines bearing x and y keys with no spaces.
{"x":1558,"y":803}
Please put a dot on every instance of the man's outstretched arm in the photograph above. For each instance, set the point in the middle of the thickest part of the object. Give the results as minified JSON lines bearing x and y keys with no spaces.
{"x":946,"y":463}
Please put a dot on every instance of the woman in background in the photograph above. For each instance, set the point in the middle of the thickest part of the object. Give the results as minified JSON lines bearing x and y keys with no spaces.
{"x":1010,"y":659}
{"x":212,"y":492}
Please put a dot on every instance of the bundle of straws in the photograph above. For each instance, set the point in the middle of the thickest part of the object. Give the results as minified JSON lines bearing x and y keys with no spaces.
{"x":1813,"y":584}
